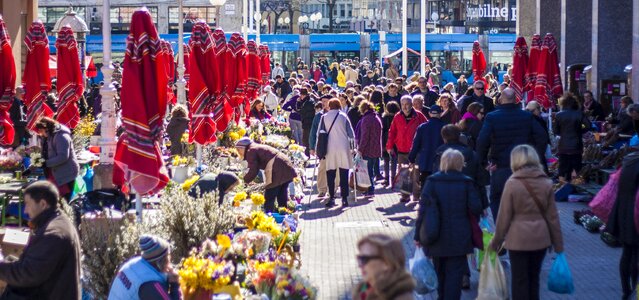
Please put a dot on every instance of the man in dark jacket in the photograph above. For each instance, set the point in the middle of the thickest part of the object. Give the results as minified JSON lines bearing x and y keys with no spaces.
{"x":570,"y":124}
{"x":503,"y":129}
{"x":18,"y":114}
{"x":49,"y":267}
{"x":427,"y":139}
{"x":305,"y":106}
{"x":477,"y":96}
{"x":282,"y":88}
{"x":430,"y":97}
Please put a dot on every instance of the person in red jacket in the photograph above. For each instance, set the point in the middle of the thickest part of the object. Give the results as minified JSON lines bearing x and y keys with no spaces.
{"x":402,"y":132}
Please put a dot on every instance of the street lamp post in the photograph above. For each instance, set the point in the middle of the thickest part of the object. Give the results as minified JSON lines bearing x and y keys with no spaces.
{"x":80,"y":29}
{"x":301,"y":20}
{"x":404,"y":37}
{"x":107,"y":140}
{"x":422,"y":39}
{"x":287,"y":21}
{"x":258,"y":17}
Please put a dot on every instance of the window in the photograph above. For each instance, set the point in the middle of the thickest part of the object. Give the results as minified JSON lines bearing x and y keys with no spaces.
{"x":342,"y":8}
{"x":50,"y":14}
{"x":192,"y":14}
{"x":349,"y":9}
{"x":123,"y":14}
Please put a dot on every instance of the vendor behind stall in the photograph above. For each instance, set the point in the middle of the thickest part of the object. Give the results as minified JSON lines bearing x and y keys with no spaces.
{"x":278,"y":171}
{"x":208,"y":183}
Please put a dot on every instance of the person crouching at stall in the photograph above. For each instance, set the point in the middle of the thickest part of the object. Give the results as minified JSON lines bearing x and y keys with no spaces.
{"x":210,"y":183}
{"x":278,"y":171}
{"x":61,"y":165}
{"x":148,"y":276}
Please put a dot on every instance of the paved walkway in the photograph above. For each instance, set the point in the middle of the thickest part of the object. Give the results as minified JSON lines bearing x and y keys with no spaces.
{"x":330,"y":236}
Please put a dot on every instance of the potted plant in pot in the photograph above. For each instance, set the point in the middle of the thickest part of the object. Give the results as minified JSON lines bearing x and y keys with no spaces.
{"x":181,"y":167}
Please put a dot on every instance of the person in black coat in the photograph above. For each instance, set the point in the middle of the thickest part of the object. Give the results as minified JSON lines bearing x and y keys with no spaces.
{"x":443,"y":227}
{"x":570,"y":124}
{"x":427,"y":138}
{"x":390,"y":162}
{"x":592,"y":108}
{"x":504,"y":129}
{"x":211,"y":183}
{"x":477,"y":96}
{"x":18,"y":115}
{"x":282,"y":87}
{"x":621,"y":223}
{"x":430,"y":96}
{"x":471,"y":123}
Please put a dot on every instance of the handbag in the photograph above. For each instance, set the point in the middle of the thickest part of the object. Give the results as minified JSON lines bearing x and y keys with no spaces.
{"x":604,"y":201}
{"x":492,"y":280}
{"x":321,"y":149}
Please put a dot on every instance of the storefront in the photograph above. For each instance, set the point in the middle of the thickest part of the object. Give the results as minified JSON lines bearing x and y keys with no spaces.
{"x":473,"y":16}
{"x":334,"y":47}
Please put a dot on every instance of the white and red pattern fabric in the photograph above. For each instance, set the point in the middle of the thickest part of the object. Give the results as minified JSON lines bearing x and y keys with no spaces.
{"x":70,"y":84}
{"x":36,"y":77}
{"x":7,"y":82}
{"x":254,"y":79}
{"x":531,"y":68}
{"x":479,"y":64}
{"x":236,"y":75}
{"x":520,"y":62}
{"x":548,"y":87}
{"x":222,"y":111}
{"x":265,"y":59}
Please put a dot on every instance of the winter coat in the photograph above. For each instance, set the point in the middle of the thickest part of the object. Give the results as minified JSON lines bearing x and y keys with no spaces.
{"x":392,"y":73}
{"x":61,"y":158}
{"x":353,"y":115}
{"x":504,"y":129}
{"x":260,"y":115}
{"x":339,"y":147}
{"x":341,"y":79}
{"x":306,"y":109}
{"x":351,"y":75}
{"x":570,"y":125}
{"x":470,"y":125}
{"x":317,"y":75}
{"x":389,"y":98}
{"x":402,"y":132}
{"x":386,"y":125}
{"x":49,"y":267}
{"x":282,"y":89}
{"x":452,"y":116}
{"x":398,"y":285}
{"x":472,"y":167}
{"x":366,"y":81}
{"x":621,"y":222}
{"x":175,"y":130}
{"x":427,"y":139}
{"x":291,"y":106}
{"x":368,"y":135}
{"x":312,"y":137}
{"x":258,"y":157}
{"x":595,"y":110}
{"x":450,"y":196}
{"x":430,"y":97}
{"x":520,"y":223}
{"x":333,"y":75}
{"x":465,"y":101}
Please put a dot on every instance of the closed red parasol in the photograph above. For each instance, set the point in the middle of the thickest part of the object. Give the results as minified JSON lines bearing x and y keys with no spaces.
{"x":531,"y":68}
{"x":222,"y":112}
{"x":167,"y":51}
{"x":36,"y":80}
{"x":187,"y":64}
{"x":138,"y":161}
{"x":204,"y":82}
{"x":7,"y":82}
{"x":70,"y":85}
{"x":548,"y":84}
{"x":254,"y":80}
{"x":265,"y":58}
{"x":520,"y":62}
{"x":236,"y":70}
{"x":479,"y":64}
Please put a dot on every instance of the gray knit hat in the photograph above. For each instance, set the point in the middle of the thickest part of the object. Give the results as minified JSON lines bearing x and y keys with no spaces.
{"x":153,"y":248}
{"x":243,"y":142}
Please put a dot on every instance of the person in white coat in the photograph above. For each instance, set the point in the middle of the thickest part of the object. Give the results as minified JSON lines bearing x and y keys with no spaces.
{"x":340,"y":147}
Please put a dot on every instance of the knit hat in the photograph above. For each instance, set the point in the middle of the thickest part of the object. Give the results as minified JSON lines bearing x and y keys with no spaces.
{"x":153,"y":248}
{"x":435,"y":110}
{"x":243,"y":142}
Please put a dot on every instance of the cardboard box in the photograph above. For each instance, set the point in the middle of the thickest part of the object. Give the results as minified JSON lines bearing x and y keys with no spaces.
{"x":13,"y":242}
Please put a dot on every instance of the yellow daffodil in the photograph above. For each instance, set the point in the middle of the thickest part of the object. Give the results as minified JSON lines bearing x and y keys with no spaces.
{"x":224,"y":241}
{"x":234,"y":136}
{"x":258,"y":199}
{"x":241,"y":196}
{"x":241,"y":131}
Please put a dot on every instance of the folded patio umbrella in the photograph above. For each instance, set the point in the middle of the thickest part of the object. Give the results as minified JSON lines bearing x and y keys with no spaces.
{"x":138,"y":160}
{"x":7,"y":82}
{"x":479,"y":64}
{"x":167,"y":51}
{"x":222,"y":110}
{"x":548,"y":85}
{"x":236,"y":75}
{"x":70,"y":84}
{"x":254,"y":78}
{"x":520,"y":62}
{"x":35,"y":78}
{"x":187,"y":64}
{"x":204,"y":82}
{"x":531,"y":68}
{"x":265,"y":58}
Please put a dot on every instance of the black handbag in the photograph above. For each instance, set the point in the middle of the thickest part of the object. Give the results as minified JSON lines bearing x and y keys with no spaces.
{"x":321,"y":148}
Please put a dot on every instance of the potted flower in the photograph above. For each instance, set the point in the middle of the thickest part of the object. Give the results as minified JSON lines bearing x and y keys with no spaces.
{"x":181,"y":166}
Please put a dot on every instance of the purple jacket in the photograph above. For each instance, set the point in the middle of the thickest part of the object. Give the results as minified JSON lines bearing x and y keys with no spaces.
{"x":368,"y":135}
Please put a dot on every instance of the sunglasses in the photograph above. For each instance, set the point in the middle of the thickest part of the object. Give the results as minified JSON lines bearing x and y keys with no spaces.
{"x":363,"y":260}
{"x":479,"y":88}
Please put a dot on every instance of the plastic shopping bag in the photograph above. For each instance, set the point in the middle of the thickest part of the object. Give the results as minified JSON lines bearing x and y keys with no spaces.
{"x":560,"y":278}
{"x":361,"y":172}
{"x":403,"y":181}
{"x":492,"y":280}
{"x":487,"y":236}
{"x":423,"y":272}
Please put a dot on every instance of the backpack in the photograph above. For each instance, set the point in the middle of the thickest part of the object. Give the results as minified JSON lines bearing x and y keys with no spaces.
{"x":322,"y":139}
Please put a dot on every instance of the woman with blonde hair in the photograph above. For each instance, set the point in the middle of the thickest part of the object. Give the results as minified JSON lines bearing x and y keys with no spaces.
{"x":528,"y":222}
{"x":381,"y":260}
{"x":443,"y":225}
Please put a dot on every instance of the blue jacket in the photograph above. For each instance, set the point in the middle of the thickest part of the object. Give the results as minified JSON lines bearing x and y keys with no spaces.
{"x":504,"y":129}
{"x":130,"y":278}
{"x":447,"y":199}
{"x":312,"y":139}
{"x":427,"y":139}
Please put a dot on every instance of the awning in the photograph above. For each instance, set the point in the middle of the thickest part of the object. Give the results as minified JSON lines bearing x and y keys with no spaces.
{"x":90,"y":69}
{"x":409,"y":51}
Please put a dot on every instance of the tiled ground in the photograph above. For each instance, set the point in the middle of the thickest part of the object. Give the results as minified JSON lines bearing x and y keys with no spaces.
{"x":329,"y":247}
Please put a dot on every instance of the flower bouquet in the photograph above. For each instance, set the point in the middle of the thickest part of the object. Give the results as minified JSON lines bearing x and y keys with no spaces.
{"x":202,"y":273}
{"x":181,"y":166}
{"x":188,"y":149}
{"x":10,"y":160}
{"x":262,"y":222}
{"x":231,"y":135}
{"x":277,"y":141}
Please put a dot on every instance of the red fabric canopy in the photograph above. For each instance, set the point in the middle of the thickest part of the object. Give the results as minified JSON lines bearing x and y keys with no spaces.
{"x":138,"y":160}
{"x":222,"y":111}
{"x":204,"y":84}
{"x":7,"y":82}
{"x":70,"y":86}
{"x":236,"y":70}
{"x":254,"y":79}
{"x":265,"y":58}
{"x":520,"y":62}
{"x":167,"y":51}
{"x":36,"y":80}
{"x":531,"y":69}
{"x":92,"y":71}
{"x":548,"y":84}
{"x":187,"y":64}
{"x":479,"y":64}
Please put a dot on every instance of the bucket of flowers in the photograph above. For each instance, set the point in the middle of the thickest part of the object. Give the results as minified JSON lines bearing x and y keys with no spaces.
{"x":180,"y":166}
{"x":10,"y":160}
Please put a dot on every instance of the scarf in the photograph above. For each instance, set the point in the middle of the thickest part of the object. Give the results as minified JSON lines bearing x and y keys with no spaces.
{"x":468,"y":115}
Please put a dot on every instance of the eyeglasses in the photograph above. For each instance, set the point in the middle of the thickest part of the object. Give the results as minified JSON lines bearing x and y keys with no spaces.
{"x":363,"y":260}
{"x":479,"y":88}
{"x":421,"y":81}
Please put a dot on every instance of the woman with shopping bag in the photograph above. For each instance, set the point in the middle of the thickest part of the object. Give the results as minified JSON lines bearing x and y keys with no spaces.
{"x":368,"y":135}
{"x":443,"y":225}
{"x":528,"y":222}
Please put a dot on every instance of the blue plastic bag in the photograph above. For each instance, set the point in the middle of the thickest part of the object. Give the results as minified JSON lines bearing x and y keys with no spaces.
{"x":560,"y":278}
{"x":423,"y":272}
